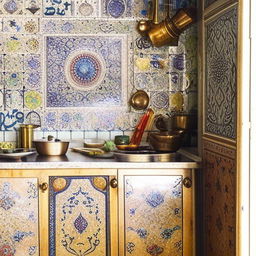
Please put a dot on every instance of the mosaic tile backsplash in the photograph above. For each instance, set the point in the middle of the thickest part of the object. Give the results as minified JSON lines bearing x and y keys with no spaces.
{"x":73,"y":65}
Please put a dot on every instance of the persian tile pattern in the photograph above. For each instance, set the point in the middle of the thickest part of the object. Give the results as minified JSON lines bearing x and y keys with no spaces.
{"x":24,"y":94}
{"x":19,"y":216}
{"x":153,"y":215}
{"x":221,"y":75}
{"x":79,"y":212}
{"x":76,"y":65}
{"x":219,"y":200}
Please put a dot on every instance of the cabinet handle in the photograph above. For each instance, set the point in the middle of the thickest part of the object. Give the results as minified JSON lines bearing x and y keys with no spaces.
{"x":43,"y":186}
{"x":187,"y":182}
{"x":114,"y":183}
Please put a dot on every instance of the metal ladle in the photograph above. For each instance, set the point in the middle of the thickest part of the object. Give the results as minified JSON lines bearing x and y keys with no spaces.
{"x":139,"y":100}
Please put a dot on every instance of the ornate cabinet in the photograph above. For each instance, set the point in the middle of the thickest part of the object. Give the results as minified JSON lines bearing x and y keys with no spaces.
{"x":155,"y":212}
{"x":19,"y":234}
{"x":96,"y":212}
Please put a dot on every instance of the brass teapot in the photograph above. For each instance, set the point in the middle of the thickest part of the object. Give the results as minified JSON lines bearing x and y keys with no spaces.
{"x":166,"y":32}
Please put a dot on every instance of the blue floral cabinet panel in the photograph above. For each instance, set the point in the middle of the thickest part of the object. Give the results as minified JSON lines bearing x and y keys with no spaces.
{"x":19,"y":217}
{"x":153,"y":208}
{"x":79,"y":211}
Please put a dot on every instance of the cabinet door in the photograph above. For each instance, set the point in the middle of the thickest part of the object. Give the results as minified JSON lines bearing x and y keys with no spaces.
{"x":19,"y":221}
{"x":155,"y":213}
{"x":80,"y":214}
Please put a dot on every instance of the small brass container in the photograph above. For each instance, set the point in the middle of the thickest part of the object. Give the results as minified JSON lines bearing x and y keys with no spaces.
{"x":51,"y":148}
{"x":181,"y":122}
{"x":27,"y":135}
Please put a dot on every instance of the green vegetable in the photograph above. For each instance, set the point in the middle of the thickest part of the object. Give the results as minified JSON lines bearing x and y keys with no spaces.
{"x":109,"y":146}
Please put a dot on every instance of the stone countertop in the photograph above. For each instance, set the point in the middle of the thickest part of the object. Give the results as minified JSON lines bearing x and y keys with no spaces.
{"x":78,"y":160}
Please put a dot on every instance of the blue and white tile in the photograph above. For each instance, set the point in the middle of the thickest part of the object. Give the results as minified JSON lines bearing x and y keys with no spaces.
{"x":58,"y":9}
{"x":88,"y":8}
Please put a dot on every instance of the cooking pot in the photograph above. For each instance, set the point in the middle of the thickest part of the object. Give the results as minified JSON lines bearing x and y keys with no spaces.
{"x":51,"y":148}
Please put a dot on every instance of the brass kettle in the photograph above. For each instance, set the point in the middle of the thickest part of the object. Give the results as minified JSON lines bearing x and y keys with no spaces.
{"x":166,"y":32}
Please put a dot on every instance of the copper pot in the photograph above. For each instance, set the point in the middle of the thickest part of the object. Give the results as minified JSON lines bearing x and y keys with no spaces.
{"x":51,"y":148}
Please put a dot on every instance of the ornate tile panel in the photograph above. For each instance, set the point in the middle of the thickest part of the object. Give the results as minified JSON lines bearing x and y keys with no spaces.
{"x":26,"y":89}
{"x":85,"y":71}
{"x":153,"y":215}
{"x":221,"y":75}
{"x":19,"y":216}
{"x":79,"y":210}
{"x":219,"y":200}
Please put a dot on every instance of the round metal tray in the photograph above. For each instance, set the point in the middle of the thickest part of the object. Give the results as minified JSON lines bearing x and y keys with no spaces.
{"x":144,"y":156}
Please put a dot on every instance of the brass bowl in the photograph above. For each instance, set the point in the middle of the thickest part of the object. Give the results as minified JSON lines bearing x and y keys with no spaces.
{"x":139,"y":100}
{"x":166,"y":141}
{"x":51,"y":148}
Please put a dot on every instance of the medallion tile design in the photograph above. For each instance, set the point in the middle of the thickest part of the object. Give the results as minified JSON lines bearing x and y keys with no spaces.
{"x":79,"y":212}
{"x":221,"y":75}
{"x":79,"y":67}
{"x":152,"y":225}
{"x":19,"y":216}
{"x":219,"y":200}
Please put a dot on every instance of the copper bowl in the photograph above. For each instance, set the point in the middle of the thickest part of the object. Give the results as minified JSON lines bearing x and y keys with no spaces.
{"x":166,"y":141}
{"x":139,"y":100}
{"x":51,"y":148}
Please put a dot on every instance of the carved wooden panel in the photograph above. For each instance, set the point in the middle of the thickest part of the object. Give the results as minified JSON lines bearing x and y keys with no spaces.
{"x":219,"y":200}
{"x":207,"y":3}
{"x":221,"y":75}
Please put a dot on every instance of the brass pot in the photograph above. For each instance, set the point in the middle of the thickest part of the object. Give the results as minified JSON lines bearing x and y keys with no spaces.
{"x":51,"y":148}
{"x":181,"y":121}
{"x":166,"y":141}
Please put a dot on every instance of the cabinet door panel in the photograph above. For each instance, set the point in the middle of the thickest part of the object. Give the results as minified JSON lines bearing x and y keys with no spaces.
{"x":19,"y":216}
{"x":154,"y":215}
{"x":79,"y":212}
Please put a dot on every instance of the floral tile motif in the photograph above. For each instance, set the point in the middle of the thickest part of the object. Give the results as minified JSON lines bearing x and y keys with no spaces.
{"x":11,"y":7}
{"x":220,"y":75}
{"x":160,"y":100}
{"x":153,"y":223}
{"x":117,"y":8}
{"x":89,"y":8}
{"x":79,"y":216}
{"x":19,"y":216}
{"x":219,"y":199}
{"x":80,"y":67}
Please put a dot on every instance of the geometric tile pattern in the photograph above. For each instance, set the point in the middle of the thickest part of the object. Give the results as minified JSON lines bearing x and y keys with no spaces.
{"x":153,"y":215}
{"x":79,"y":212}
{"x":221,"y":75}
{"x":19,"y":216}
{"x":219,"y":186}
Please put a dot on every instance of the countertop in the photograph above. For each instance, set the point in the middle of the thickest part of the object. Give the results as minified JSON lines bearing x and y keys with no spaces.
{"x":182,"y":159}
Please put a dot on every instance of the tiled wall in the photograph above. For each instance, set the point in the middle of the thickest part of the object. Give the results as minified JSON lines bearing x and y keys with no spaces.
{"x":73,"y":65}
